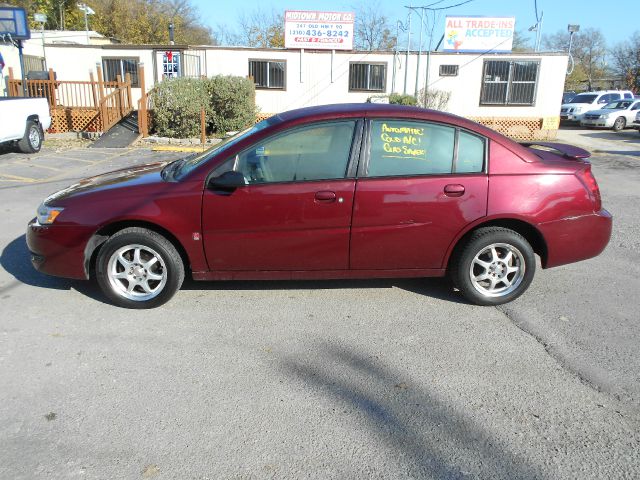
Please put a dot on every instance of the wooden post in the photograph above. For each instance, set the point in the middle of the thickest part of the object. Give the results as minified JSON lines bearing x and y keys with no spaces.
{"x":11,"y":83}
{"x":100,"y":82}
{"x":143,"y":128}
{"x":102,"y":110}
{"x":127,"y":78}
{"x":119,"y":89}
{"x":203,"y":133}
{"x":52,"y":90}
{"x":94,"y":94}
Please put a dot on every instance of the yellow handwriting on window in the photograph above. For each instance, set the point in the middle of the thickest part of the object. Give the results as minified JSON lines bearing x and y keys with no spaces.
{"x":402,"y":141}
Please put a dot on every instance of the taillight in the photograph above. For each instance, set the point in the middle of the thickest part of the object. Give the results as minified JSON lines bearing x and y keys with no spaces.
{"x":589,"y":182}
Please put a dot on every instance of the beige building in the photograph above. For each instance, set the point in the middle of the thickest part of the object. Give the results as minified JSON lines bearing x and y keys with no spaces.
{"x":518,"y":94}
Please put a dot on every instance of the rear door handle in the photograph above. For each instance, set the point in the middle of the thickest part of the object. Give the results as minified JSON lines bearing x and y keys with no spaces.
{"x":326,"y":196}
{"x":454,"y":190}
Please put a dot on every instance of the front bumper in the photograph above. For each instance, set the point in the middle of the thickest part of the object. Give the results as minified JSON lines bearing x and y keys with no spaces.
{"x":598,"y":122}
{"x":59,"y":250}
{"x":571,"y":117}
{"x":576,"y":238}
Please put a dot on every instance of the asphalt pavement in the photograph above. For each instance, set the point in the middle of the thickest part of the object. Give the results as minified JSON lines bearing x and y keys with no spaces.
{"x":334,"y":379}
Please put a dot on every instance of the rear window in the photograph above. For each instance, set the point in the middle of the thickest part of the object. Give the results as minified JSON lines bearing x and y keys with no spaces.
{"x":582,"y":98}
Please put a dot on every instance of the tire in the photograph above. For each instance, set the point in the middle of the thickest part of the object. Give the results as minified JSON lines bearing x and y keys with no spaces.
{"x":619,"y":124}
{"x":484,"y":272}
{"x":33,"y":137}
{"x":128,"y":274}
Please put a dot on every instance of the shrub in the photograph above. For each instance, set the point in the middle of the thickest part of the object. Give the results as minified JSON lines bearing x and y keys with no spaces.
{"x":435,"y":99}
{"x":400,"y":99}
{"x":176,"y":106}
{"x":233,"y":103}
{"x":229,"y":104}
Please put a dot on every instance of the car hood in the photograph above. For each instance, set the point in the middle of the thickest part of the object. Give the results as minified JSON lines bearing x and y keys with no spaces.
{"x":126,"y":177}
{"x":581,"y":105}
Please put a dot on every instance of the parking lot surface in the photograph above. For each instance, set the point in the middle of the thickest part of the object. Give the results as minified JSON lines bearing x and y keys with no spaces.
{"x":334,"y":379}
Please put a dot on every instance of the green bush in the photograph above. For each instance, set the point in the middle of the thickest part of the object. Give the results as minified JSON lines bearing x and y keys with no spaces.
{"x":228,"y":102}
{"x":176,"y":107}
{"x":233,"y":102}
{"x":400,"y":99}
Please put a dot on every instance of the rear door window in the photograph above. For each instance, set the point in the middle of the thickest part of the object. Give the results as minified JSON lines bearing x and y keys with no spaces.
{"x":408,"y":147}
{"x":400,"y":147}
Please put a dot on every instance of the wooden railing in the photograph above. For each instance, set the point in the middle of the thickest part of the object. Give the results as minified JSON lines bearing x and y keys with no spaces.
{"x":114,"y":107}
{"x":111,"y":101}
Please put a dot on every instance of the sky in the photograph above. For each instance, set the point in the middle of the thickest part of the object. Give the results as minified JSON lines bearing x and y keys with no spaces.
{"x":617,"y":20}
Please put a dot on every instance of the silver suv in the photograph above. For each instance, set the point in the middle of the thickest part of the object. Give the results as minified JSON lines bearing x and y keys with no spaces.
{"x":573,"y":110}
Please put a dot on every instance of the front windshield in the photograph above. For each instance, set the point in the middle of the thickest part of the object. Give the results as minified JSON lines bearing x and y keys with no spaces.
{"x":189,"y":163}
{"x":616,"y":105}
{"x":583,"y":98}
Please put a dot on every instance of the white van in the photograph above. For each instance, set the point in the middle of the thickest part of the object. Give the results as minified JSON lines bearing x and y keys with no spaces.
{"x":573,"y":110}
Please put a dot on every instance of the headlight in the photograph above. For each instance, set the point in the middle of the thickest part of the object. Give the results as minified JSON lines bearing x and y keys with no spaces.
{"x":47,"y":215}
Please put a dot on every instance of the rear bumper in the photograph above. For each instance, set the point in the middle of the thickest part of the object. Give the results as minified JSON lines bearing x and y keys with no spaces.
{"x":577,"y":238}
{"x":58,"y":250}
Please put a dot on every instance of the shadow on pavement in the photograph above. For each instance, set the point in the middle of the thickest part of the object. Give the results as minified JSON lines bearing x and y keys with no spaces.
{"x":439,"y":288}
{"x":16,"y":260}
{"x":433,"y":439}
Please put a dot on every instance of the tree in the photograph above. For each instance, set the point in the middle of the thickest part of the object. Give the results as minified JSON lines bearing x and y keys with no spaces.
{"x":260,"y":28}
{"x":372,"y":28}
{"x":626,"y":59}
{"x":521,"y":43}
{"x":589,"y":49}
{"x":130,"y":21}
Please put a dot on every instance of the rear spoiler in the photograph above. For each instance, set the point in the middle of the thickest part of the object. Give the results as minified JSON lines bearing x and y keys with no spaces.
{"x":566,"y":151}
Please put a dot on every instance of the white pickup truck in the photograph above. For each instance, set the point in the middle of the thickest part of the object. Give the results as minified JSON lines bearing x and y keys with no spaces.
{"x":23,"y":121}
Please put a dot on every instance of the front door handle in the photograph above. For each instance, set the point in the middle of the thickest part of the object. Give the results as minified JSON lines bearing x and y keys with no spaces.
{"x":326,"y":196}
{"x":454,"y":190}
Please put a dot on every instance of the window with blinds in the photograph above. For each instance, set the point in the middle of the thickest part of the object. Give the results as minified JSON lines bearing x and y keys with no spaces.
{"x":268,"y":73}
{"x":368,"y":77}
{"x":112,"y":67}
{"x":509,"y":82}
{"x":448,"y":70}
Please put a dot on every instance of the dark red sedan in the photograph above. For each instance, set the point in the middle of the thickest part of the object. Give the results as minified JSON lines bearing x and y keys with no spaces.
{"x":337,"y":191}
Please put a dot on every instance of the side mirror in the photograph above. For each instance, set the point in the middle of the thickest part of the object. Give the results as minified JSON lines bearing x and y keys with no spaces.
{"x":227,"y":182}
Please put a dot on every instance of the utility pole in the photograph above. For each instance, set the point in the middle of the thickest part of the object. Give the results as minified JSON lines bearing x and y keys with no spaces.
{"x":406,"y":62}
{"x":419,"y":46}
{"x":572,"y":29}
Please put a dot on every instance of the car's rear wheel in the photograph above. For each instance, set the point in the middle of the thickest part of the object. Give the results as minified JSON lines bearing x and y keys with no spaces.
{"x":32,"y":140}
{"x":139,"y":268}
{"x":619,"y":124}
{"x":494,"y":266}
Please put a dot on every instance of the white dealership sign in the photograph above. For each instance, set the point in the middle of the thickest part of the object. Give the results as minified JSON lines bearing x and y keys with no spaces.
{"x":478,"y":34}
{"x":318,"y":30}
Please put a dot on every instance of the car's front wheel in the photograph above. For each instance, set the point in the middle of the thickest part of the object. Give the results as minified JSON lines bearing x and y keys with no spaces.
{"x":494,"y":266}
{"x":619,"y":124}
{"x":139,"y":268}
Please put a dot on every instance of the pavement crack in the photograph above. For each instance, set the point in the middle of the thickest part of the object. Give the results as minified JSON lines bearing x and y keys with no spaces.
{"x":589,"y":375}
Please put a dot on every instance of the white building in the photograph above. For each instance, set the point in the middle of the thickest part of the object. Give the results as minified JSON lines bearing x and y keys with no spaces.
{"x":510,"y":92}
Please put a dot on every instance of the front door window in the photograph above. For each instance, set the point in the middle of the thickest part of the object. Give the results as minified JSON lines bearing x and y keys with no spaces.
{"x":317,"y":152}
